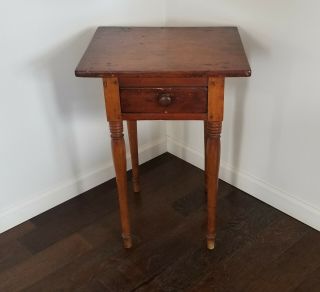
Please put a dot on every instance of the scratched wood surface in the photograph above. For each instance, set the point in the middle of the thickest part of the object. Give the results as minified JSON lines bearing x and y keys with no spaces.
{"x":77,"y":246}
{"x":171,"y":51}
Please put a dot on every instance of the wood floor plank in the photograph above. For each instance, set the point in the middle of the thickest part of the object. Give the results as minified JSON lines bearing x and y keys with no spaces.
{"x":12,"y":253}
{"x":311,"y":283}
{"x":69,"y":217}
{"x":43,"y":263}
{"x":286,"y":272}
{"x":242,"y":221}
{"x":236,"y":271}
{"x":150,"y":259}
{"x":78,"y":273}
{"x":16,"y":232}
{"x":91,"y":286}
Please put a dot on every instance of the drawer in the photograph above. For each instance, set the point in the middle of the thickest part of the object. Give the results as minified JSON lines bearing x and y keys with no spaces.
{"x":164,"y":100}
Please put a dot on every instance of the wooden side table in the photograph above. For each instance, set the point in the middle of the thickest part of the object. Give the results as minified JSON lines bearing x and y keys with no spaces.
{"x":164,"y":74}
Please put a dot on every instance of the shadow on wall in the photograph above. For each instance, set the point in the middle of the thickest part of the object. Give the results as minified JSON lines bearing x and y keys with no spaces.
{"x":67,"y":100}
{"x":238,"y":86}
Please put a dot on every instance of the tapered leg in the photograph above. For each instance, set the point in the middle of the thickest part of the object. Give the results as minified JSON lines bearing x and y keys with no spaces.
{"x":212,"y":161}
{"x":133,"y":141}
{"x":119,"y":160}
{"x":205,"y":154}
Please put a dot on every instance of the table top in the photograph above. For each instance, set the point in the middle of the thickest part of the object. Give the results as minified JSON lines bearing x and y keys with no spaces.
{"x":156,"y":51}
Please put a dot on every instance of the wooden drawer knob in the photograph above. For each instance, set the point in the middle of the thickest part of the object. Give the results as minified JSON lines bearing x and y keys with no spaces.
{"x":164,"y":99}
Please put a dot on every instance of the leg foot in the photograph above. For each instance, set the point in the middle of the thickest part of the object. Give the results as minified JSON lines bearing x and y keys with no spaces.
{"x":211,"y":239}
{"x":127,"y":242}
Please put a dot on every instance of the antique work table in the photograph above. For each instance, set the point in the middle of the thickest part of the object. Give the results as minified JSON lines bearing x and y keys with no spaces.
{"x":164,"y":74}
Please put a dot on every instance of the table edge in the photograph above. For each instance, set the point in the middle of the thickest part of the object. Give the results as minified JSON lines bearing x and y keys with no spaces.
{"x":168,"y":74}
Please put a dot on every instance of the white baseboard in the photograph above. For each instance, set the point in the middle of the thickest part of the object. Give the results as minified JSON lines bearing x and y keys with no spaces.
{"x":67,"y":190}
{"x":252,"y":185}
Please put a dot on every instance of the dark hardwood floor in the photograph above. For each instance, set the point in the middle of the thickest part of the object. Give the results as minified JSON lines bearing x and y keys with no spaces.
{"x":77,"y":246}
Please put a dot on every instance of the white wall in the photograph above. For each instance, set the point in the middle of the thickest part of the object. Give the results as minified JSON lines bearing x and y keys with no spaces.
{"x":271,"y":132}
{"x":54,"y":141}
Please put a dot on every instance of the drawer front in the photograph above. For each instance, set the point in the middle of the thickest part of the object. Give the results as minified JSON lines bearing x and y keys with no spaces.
{"x":164,"y":100}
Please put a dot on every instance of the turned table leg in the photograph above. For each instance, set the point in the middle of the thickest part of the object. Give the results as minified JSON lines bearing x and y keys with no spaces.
{"x":133,"y":141}
{"x":205,"y":154}
{"x":119,"y":160}
{"x":213,"y":131}
{"x":213,"y":159}
{"x":113,"y":108}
